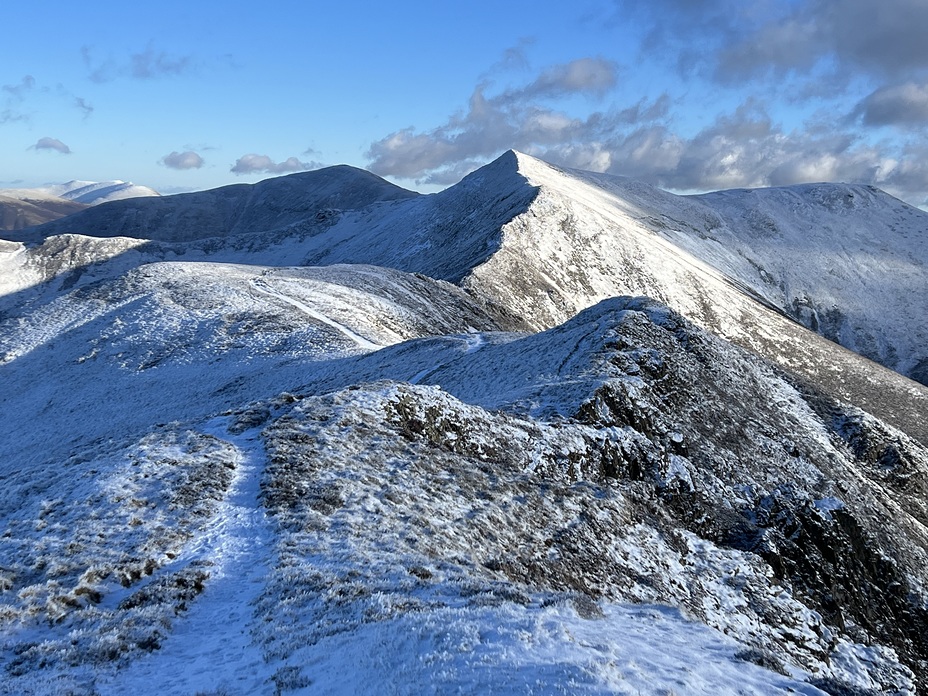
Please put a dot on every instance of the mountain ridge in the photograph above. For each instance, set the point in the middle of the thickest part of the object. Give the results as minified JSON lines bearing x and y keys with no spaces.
{"x":765,"y":243}
{"x":232,"y":209}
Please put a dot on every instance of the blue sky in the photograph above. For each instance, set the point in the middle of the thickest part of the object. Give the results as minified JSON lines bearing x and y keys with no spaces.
{"x":689,"y":95}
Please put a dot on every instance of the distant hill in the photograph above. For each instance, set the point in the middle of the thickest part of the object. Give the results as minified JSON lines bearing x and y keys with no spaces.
{"x":22,"y":208}
{"x":236,"y":209}
{"x":96,"y":192}
{"x":19,"y":213}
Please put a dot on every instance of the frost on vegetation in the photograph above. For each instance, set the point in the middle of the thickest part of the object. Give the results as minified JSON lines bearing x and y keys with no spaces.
{"x":99,"y":572}
{"x":391,"y":499}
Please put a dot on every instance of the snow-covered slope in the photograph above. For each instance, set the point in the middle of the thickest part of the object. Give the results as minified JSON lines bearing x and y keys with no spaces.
{"x":173,"y":340}
{"x":488,"y":535}
{"x":832,"y":257}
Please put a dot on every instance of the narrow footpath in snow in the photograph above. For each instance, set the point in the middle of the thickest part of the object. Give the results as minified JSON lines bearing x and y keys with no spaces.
{"x":213,"y":640}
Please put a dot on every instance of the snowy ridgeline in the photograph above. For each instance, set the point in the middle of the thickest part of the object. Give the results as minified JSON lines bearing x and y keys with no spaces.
{"x":223,"y":475}
{"x":848,"y":262}
{"x":560,"y":516}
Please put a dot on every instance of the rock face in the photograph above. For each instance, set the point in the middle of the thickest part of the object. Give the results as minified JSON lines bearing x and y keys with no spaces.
{"x":353,"y":477}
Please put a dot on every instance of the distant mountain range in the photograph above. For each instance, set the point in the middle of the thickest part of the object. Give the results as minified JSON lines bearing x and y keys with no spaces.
{"x":325,"y":434}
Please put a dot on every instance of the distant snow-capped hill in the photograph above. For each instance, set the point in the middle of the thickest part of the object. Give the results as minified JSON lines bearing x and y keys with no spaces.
{"x":97,"y":192}
{"x":86,"y":192}
{"x":23,"y":208}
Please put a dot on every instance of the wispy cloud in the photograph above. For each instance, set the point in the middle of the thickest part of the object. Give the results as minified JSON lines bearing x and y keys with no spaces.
{"x":47,"y":143}
{"x":15,"y":94}
{"x":255,"y":164}
{"x":151,"y":63}
{"x":12,"y":116}
{"x":85,"y":106}
{"x":18,"y":91}
{"x":182,"y":160}
{"x":148,"y":64}
{"x":513,"y":58}
{"x":591,"y":76}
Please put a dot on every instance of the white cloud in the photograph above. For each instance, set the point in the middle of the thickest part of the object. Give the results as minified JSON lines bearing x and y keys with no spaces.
{"x":513,"y":118}
{"x":254,"y":164}
{"x":182,"y":160}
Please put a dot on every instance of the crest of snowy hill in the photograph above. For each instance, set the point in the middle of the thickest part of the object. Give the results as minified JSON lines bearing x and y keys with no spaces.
{"x":623,"y":503}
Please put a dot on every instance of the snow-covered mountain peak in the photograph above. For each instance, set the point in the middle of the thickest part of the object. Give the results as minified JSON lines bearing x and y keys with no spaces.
{"x":831,"y":256}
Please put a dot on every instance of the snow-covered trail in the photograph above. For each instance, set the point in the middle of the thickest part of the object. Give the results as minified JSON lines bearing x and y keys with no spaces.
{"x":472,"y":342}
{"x":213,"y":640}
{"x":262,"y":286}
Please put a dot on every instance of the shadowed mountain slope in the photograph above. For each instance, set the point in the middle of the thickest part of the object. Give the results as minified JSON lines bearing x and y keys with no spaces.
{"x":20,"y":213}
